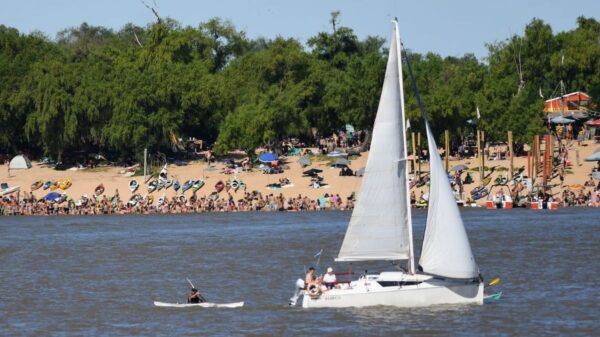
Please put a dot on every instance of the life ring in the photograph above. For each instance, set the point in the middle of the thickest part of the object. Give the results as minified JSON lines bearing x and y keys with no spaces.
{"x":313,"y":289}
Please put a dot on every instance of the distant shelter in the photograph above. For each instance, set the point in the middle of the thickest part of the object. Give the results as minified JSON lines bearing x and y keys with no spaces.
{"x":576,"y":105}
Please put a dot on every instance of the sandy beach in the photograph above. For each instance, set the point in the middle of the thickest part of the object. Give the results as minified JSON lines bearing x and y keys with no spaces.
{"x":85,"y":181}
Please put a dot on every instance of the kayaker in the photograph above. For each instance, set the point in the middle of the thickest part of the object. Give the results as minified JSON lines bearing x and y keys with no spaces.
{"x":195,"y":297}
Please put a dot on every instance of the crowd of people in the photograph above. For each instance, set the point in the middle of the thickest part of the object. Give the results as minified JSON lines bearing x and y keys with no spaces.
{"x":251,"y":201}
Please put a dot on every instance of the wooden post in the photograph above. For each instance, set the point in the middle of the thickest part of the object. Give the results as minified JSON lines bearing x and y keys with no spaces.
{"x":535,"y":159}
{"x":419,"y":148}
{"x":510,"y":153}
{"x":550,"y":146}
{"x":447,"y":142}
{"x":414,"y":153}
{"x":529,"y":163}
{"x":483,"y":157}
{"x":479,"y":155}
{"x":547,"y":164}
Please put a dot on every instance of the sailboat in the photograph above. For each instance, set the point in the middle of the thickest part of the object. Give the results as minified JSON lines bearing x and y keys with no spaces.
{"x":380,"y":228}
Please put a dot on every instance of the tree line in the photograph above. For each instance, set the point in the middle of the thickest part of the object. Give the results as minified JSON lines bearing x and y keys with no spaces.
{"x":94,"y":89}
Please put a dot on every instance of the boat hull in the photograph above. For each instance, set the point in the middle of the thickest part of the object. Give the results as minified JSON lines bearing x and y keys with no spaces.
{"x":366,"y":293}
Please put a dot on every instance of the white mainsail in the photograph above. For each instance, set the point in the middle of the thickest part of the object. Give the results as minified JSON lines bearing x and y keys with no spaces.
{"x":380,"y":226}
{"x":446,"y":249}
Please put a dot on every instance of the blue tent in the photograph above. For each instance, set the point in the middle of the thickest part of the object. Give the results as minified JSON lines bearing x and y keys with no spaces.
{"x":268,"y":157}
{"x":53,"y":196}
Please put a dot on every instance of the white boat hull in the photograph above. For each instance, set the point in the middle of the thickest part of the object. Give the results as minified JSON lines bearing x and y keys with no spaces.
{"x":201,"y":305}
{"x":369,"y":292}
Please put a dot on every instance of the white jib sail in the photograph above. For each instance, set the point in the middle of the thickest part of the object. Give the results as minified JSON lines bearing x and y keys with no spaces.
{"x":446,"y":249}
{"x":378,"y":228}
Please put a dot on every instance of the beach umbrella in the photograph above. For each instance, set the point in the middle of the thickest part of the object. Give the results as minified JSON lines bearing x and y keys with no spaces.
{"x":341,"y":162}
{"x":268,"y":157}
{"x":593,"y":157}
{"x":593,"y":122}
{"x":561,"y":120}
{"x":349,"y":128}
{"x":53,"y":196}
{"x":304,"y":161}
{"x":360,"y":172}
{"x":312,"y":172}
{"x":460,"y":167}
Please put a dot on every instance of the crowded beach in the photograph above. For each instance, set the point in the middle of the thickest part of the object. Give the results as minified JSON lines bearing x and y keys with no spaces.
{"x":324,"y":177}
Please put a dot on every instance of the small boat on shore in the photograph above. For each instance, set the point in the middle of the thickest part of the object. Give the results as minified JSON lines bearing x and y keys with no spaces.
{"x":36,"y":185}
{"x":176,"y":185}
{"x":541,"y":204}
{"x":152,"y":186}
{"x":5,"y":190}
{"x":47,"y":185}
{"x":133,"y":185}
{"x":219,"y":186}
{"x":99,"y":190}
{"x":187,"y":185}
{"x":500,"y":199}
{"x":168,"y":183}
{"x":134,"y":200}
{"x":65,"y":184}
{"x":197,"y":185}
{"x":161,"y":200}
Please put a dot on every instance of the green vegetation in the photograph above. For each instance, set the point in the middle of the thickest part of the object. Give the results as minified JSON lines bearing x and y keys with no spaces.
{"x":115,"y":92}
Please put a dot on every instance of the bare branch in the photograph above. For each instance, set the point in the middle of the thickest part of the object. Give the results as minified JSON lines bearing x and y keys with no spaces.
{"x":152,"y":9}
{"x":137,"y":40}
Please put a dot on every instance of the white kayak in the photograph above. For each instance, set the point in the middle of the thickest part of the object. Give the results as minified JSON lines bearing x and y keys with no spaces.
{"x":202,"y":305}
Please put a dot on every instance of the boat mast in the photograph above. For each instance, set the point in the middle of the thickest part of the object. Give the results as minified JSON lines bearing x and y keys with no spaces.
{"x":411,"y":256}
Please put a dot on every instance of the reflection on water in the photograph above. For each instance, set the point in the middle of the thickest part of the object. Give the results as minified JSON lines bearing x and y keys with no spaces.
{"x":99,"y":275}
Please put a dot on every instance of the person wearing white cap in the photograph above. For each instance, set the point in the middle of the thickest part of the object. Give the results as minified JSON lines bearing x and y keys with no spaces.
{"x":329,"y":279}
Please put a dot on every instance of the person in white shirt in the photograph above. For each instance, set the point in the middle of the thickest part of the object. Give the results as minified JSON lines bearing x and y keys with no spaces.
{"x":329,"y":279}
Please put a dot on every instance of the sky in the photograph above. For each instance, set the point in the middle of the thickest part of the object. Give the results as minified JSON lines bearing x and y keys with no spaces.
{"x":449,"y":28}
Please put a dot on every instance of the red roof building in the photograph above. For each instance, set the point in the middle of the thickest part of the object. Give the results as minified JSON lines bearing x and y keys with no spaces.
{"x":575,"y":104}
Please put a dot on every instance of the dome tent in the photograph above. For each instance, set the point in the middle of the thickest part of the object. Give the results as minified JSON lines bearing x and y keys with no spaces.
{"x":20,"y":162}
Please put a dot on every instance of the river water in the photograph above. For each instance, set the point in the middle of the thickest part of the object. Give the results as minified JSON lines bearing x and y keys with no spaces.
{"x":98,"y":275}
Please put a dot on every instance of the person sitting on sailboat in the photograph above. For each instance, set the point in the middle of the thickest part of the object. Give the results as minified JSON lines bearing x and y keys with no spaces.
{"x":195,"y":297}
{"x":329,"y":279}
{"x":311,"y":277}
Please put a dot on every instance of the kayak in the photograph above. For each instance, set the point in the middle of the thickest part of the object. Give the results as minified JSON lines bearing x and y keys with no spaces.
{"x":202,"y":305}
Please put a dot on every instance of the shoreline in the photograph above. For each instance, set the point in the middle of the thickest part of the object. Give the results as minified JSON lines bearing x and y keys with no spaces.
{"x":576,"y":178}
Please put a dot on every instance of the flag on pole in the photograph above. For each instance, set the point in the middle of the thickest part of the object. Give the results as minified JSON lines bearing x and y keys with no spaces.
{"x":407,"y":124}
{"x":319,"y":253}
{"x":478,"y":114}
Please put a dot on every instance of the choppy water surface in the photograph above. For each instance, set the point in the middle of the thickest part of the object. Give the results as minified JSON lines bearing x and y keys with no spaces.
{"x":100,"y":275}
